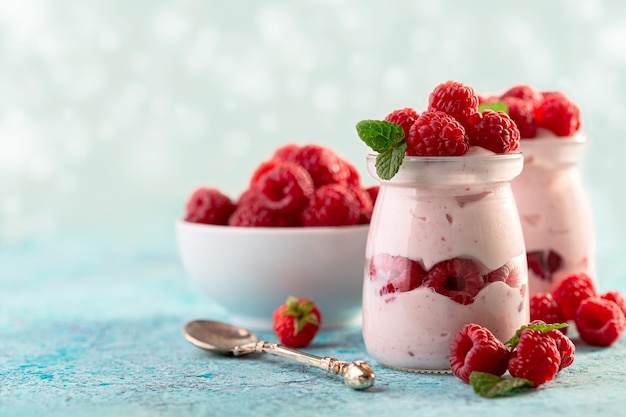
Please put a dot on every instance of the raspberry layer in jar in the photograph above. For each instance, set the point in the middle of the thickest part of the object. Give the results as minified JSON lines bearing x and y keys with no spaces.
{"x":445,"y":248}
{"x":555,"y":211}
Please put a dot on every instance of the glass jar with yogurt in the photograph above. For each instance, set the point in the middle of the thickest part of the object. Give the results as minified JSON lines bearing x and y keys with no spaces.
{"x":445,"y":248}
{"x":555,"y":211}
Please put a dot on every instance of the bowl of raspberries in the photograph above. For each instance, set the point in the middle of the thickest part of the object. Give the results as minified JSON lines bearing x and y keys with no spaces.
{"x":298,"y":229}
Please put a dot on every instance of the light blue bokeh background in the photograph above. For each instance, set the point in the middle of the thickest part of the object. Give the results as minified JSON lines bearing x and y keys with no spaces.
{"x":112,"y":112}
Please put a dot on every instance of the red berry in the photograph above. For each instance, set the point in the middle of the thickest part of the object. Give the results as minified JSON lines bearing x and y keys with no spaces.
{"x":436,"y":133}
{"x":558,"y":114}
{"x":599,"y":321}
{"x":565,"y":347}
{"x":493,"y":130}
{"x":251,"y":211}
{"x":523,"y":92}
{"x":572,"y":291}
{"x":286,"y":152}
{"x":459,"y":279}
{"x":365,"y":203}
{"x":544,"y":307}
{"x":523,"y":115}
{"x":209,"y":206}
{"x":544,"y":263}
{"x":400,"y":274}
{"x":353,"y":177}
{"x":617,"y":298}
{"x":324,"y":166}
{"x":475,"y":348}
{"x":296,"y":322}
{"x":287,"y":187}
{"x":536,"y":357}
{"x":332,"y":205}
{"x":403,"y":118}
{"x":507,"y":273}
{"x":456,"y":99}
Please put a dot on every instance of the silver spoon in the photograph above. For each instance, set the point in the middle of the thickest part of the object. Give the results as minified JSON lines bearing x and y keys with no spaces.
{"x":225,"y":338}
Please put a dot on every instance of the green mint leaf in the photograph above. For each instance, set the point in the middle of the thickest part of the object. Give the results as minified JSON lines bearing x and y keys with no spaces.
{"x":379,"y":135}
{"x":495,"y":106}
{"x":490,"y":386}
{"x":388,"y":162}
{"x":542,"y":327}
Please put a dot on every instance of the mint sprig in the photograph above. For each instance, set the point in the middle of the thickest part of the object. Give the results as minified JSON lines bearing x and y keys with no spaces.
{"x":388,"y":140}
{"x":490,"y":386}
{"x":542,"y":327}
{"x":495,"y":106}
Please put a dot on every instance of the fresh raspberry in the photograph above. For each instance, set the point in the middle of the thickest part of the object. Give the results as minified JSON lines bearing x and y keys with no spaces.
{"x":401,"y":274}
{"x":296,"y":322}
{"x":456,"y":99}
{"x":286,"y":152}
{"x":617,"y":298}
{"x":482,"y":99}
{"x":403,"y":118}
{"x":287,"y":187}
{"x":209,"y":206}
{"x":544,"y":307}
{"x":373,"y":192}
{"x":365,"y":203}
{"x":523,"y":115}
{"x":558,"y":114}
{"x":436,"y":133}
{"x":251,"y":211}
{"x":565,"y":347}
{"x":458,"y":278}
{"x":353,"y":177}
{"x":475,"y":348}
{"x":493,"y":130}
{"x":536,"y":357}
{"x":324,"y":166}
{"x":544,"y":263}
{"x":332,"y":205}
{"x":599,"y":321}
{"x":571,"y":291}
{"x":523,"y":92}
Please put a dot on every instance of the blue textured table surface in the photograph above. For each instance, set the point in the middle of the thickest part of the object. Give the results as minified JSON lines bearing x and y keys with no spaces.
{"x":95,"y":331}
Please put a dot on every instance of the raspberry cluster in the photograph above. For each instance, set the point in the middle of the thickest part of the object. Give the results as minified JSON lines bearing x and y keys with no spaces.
{"x":536,"y":353}
{"x":452,"y":123}
{"x":531,"y":109}
{"x":599,"y":318}
{"x":299,"y":186}
{"x":459,"y":279}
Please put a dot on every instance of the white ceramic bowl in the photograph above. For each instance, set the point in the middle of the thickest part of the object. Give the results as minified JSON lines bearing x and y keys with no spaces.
{"x":250,"y":271}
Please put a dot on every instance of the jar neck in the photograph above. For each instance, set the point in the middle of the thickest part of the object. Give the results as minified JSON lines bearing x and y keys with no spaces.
{"x":553,"y":153}
{"x":452,"y":170}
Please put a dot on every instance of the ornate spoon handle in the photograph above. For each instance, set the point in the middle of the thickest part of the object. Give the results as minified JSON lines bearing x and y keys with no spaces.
{"x":357,"y":375}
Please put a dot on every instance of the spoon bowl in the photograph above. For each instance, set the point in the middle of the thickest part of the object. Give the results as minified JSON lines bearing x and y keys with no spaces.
{"x":225,"y":338}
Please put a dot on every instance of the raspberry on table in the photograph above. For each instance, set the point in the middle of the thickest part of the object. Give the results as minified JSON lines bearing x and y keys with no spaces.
{"x":324,"y":165}
{"x":572,"y":291}
{"x":544,"y":307}
{"x":536,"y":357}
{"x":493,"y":130}
{"x":332,"y":205}
{"x":209,"y":206}
{"x":617,"y":298}
{"x":458,"y":278}
{"x":475,"y":348}
{"x":454,"y":98}
{"x":565,"y":347}
{"x":400,"y":273}
{"x":525,"y":93}
{"x":403,"y":118}
{"x":523,"y":115}
{"x":558,"y":114}
{"x":436,"y":133}
{"x":287,"y":187}
{"x":600,"y":322}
